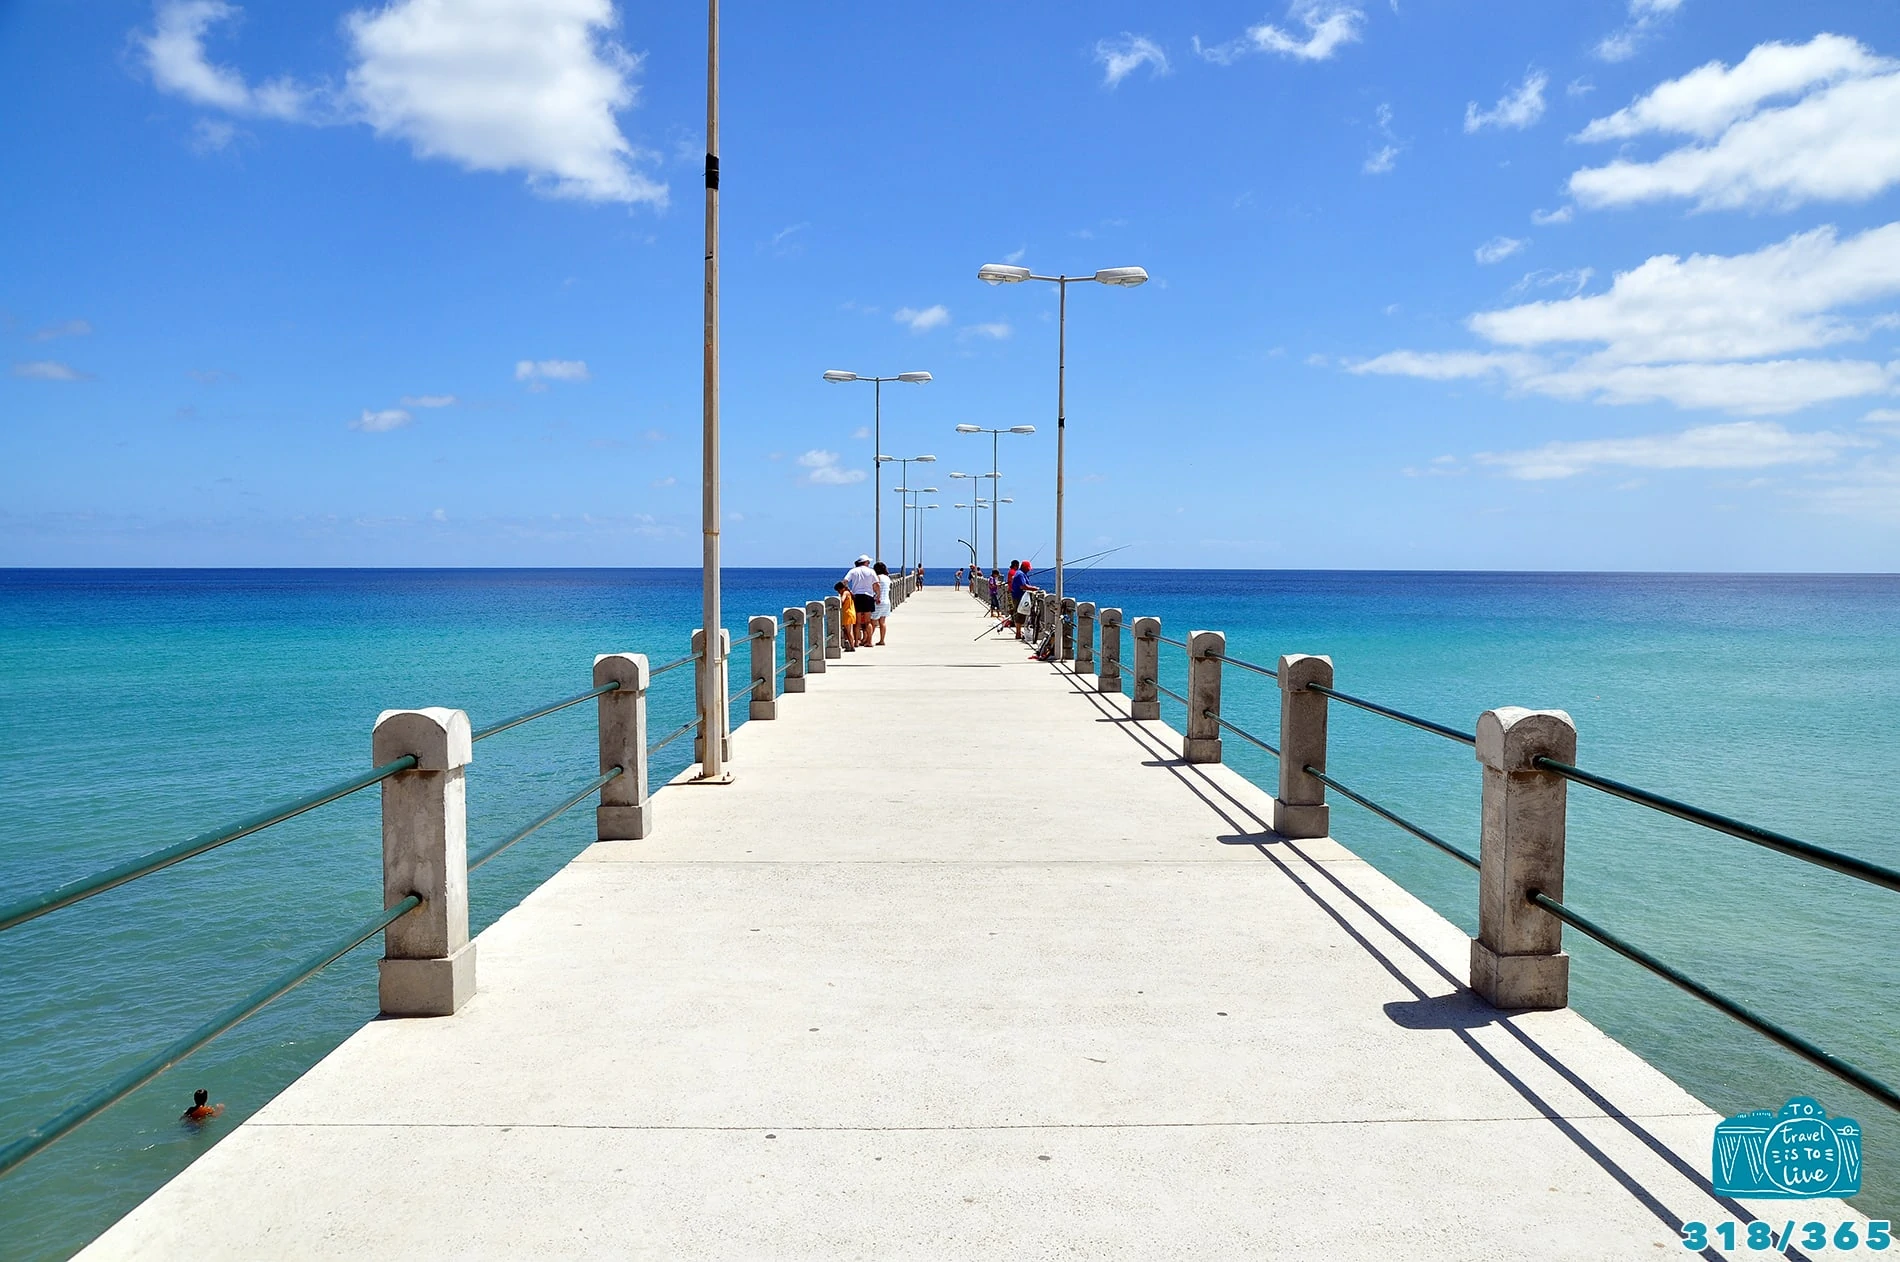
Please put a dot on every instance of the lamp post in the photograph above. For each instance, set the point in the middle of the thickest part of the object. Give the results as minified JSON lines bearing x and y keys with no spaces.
{"x":989,"y":503}
{"x":1004,"y":274}
{"x":712,"y":664}
{"x":877,"y":442}
{"x":920,"y":510}
{"x":995,"y":468}
{"x":903,"y":464}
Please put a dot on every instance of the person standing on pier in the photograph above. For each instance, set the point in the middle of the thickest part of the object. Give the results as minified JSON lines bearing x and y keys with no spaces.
{"x":861,"y":581}
{"x":847,"y":618}
{"x":881,"y":610}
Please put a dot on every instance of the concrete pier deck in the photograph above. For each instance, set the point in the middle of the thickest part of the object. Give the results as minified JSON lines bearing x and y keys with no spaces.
{"x":966,"y":963}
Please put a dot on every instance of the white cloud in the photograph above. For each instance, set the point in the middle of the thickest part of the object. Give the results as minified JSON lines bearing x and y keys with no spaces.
{"x":1517,"y":109}
{"x":381,"y":422}
{"x":1381,"y":161}
{"x":862,"y":431}
{"x":1644,"y":17}
{"x":70,"y":328}
{"x":922,"y":321}
{"x":1329,"y":24}
{"x":823,"y":470}
{"x":1544,"y":218}
{"x":1778,"y":299}
{"x":1709,"y":331}
{"x":1121,"y":57}
{"x":1836,"y":142}
{"x":1883,"y":416}
{"x":428,"y":400}
{"x":176,"y":58}
{"x":996,"y":331}
{"x":1737,"y":445}
{"x":668,"y":480}
{"x":438,"y":514}
{"x":551,"y":370}
{"x":1576,"y":280}
{"x":1016,"y":255}
{"x":1497,"y":249}
{"x":505,"y":85}
{"x":49,"y":370}
{"x":492,"y":85}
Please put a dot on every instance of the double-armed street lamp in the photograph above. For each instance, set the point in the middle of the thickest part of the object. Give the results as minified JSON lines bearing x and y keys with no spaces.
{"x":903,"y":464}
{"x":995,"y":469}
{"x":1005,"y":274}
{"x":909,"y":506}
{"x":877,"y":441}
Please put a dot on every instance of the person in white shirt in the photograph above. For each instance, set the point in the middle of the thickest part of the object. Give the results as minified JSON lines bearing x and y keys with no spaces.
{"x":881,"y":611}
{"x":861,"y":581}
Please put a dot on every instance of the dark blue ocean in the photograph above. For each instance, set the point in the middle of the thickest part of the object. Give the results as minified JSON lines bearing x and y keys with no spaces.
{"x":139,"y":707}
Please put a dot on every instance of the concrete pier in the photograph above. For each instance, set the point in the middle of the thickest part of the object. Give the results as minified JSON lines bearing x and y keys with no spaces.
{"x":1018,"y":981}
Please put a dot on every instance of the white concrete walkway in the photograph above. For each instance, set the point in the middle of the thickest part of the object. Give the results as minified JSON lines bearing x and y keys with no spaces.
{"x":965,"y":964}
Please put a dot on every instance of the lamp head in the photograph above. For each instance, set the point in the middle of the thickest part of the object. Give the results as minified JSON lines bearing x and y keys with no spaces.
{"x":886,"y":459}
{"x":925,"y":459}
{"x":1022,"y":429}
{"x":919,"y":377}
{"x":969,"y":429}
{"x":839,"y":374}
{"x":930,"y":490}
{"x":1002,"y":274}
{"x":1127,"y":277}
{"x":1006,"y":500}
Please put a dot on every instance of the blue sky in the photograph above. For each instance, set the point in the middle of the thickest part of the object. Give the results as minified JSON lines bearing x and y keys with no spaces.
{"x":1608,"y":284}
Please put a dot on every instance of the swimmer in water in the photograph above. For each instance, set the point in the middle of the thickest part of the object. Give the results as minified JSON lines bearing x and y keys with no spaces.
{"x":200,"y":1111}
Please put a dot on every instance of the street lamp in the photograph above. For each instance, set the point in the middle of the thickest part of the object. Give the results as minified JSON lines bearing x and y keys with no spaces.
{"x":994,"y":472}
{"x":903,"y":473}
{"x":903,"y":522}
{"x":877,"y":440}
{"x":970,"y":543}
{"x":1004,"y":274}
{"x":921,"y":509}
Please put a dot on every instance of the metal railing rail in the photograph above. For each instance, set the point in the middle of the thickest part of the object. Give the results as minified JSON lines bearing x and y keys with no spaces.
{"x":132,"y":869}
{"x":1820,"y":856}
{"x":675,"y":664}
{"x":1439,"y":729}
{"x":672,"y":736}
{"x":482,"y":734}
{"x":132,"y":1079}
{"x":1814,"y":1055}
{"x":1394,"y":818}
{"x":1235,"y":661}
{"x":592,"y":787}
{"x":1249,"y":737}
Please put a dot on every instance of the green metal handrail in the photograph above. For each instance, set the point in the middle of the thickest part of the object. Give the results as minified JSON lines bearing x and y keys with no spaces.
{"x":1821,"y":856}
{"x":688,"y":660}
{"x":593,"y":786}
{"x":1450,"y":733}
{"x":486,"y":732}
{"x":672,"y":736}
{"x":1166,"y":693}
{"x":1801,"y":1047}
{"x":132,"y":1079}
{"x":132,"y":869}
{"x":1235,"y":661}
{"x":1249,"y":737}
{"x":1394,"y":818}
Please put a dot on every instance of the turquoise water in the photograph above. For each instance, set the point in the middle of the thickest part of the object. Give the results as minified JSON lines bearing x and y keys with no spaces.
{"x":137,"y":707}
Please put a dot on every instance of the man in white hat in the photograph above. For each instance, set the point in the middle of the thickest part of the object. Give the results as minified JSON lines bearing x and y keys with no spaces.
{"x":861,"y":581}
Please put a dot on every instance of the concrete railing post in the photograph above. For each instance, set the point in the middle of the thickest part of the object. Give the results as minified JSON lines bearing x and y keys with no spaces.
{"x":1108,"y":676}
{"x":794,"y":616}
{"x":625,"y":812}
{"x":834,"y":627}
{"x":763,"y":631}
{"x":1202,"y":742}
{"x":1146,"y":702}
{"x":1517,"y":959}
{"x":815,"y":637}
{"x":721,"y":712}
{"x":428,"y":964}
{"x":1300,"y":810}
{"x":1085,"y":637}
{"x":1065,"y":644}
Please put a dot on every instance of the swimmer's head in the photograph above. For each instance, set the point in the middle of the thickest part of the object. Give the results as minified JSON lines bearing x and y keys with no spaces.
{"x":199,"y":1097}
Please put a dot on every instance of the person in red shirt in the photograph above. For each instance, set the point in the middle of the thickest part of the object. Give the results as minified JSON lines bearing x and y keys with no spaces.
{"x":201,"y":1111}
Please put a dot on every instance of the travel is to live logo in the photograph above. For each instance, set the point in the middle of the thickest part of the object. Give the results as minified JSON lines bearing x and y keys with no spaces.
{"x":1794,"y":1151}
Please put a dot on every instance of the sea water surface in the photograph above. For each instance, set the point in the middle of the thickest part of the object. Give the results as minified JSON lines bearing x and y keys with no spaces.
{"x":139,"y":707}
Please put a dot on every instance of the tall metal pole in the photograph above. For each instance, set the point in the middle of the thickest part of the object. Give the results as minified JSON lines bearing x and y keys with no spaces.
{"x":1062,"y":361}
{"x":877,"y":468}
{"x":712,"y":664}
{"x":994,"y":567}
